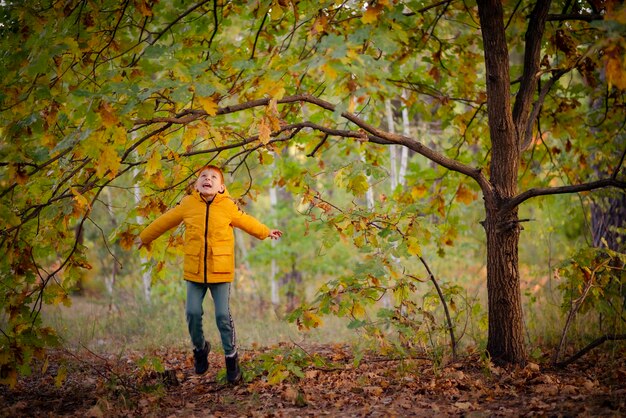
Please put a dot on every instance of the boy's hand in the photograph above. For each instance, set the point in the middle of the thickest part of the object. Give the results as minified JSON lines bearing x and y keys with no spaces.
{"x":275,"y":234}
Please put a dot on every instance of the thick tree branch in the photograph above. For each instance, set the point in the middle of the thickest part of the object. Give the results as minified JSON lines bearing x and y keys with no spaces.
{"x":575,"y":16}
{"x":527,"y":133}
{"x":576,"y":188}
{"x":528,"y":83}
{"x":591,"y":346}
{"x":372,"y":133}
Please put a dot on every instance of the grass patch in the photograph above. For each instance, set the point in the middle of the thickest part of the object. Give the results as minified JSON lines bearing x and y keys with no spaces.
{"x":110,"y":324}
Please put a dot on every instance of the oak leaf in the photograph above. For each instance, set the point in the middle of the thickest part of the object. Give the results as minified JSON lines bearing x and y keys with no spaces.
{"x":371,"y":14}
{"x":109,"y":162}
{"x":264,"y":131}
{"x":154,"y":163}
{"x":79,"y":199}
{"x":209,"y":105}
{"x":107,"y":114}
{"x":144,"y":8}
{"x":465,"y":195}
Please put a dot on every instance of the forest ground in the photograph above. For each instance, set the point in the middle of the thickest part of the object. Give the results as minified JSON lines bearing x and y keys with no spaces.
{"x":99,"y":386}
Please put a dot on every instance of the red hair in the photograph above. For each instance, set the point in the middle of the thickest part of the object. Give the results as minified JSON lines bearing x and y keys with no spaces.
{"x":212,"y":167}
{"x":192,"y":182}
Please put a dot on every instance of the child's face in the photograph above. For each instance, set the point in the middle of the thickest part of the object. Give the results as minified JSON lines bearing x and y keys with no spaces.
{"x":209,"y":183}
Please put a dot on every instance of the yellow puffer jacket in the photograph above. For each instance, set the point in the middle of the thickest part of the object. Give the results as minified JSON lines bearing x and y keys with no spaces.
{"x":209,"y":237}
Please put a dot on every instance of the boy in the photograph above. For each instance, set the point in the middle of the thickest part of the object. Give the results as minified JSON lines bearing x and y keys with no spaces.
{"x":209,"y":215}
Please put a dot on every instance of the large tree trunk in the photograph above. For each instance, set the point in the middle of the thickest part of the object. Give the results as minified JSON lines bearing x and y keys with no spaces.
{"x":505,"y":343}
{"x":506,"y":338}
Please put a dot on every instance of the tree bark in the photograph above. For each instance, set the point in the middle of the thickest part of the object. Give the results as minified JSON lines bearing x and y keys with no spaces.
{"x":505,"y":342}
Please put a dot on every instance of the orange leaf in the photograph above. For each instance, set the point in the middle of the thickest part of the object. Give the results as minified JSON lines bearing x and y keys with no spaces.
{"x":465,"y":195}
{"x":264,"y":131}
{"x":109,"y":162}
{"x":418,"y":191}
{"x":107,"y":114}
{"x":143,"y":8}
{"x":615,"y":69}
{"x":127,"y":240}
{"x":79,"y":199}
{"x":159,"y":180}
{"x":328,"y":70}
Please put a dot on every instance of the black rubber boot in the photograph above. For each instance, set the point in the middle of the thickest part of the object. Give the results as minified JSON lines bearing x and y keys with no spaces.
{"x":201,"y":358}
{"x":233,"y":372}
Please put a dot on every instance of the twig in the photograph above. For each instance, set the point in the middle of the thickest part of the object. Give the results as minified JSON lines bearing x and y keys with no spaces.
{"x":445,"y":307}
{"x":591,"y":346}
{"x":574,"y":309}
{"x":318,"y":146}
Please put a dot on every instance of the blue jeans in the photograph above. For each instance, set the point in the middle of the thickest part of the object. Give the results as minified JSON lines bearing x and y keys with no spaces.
{"x":220,"y":292}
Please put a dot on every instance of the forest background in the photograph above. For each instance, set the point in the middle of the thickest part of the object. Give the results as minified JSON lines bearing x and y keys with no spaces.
{"x":402,"y":158}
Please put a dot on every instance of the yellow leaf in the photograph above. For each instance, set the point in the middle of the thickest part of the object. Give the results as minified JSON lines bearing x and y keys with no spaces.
{"x":312,"y":320}
{"x":118,"y":135}
{"x":61,"y":375}
{"x":320,"y":24}
{"x":109,"y":162}
{"x":264,"y":131}
{"x":329,"y":71}
{"x":159,"y":180}
{"x":278,"y":91}
{"x":358,"y":184}
{"x":371,"y":15}
{"x":277,"y":12}
{"x":272,"y":114}
{"x":79,"y":199}
{"x":272,"y":107}
{"x":209,"y":105}
{"x":465,"y":195}
{"x":154,"y":163}
{"x":418,"y":191}
{"x":265,"y":158}
{"x":107,"y":114}
{"x":191,"y":132}
{"x":414,"y":246}
{"x":358,"y":311}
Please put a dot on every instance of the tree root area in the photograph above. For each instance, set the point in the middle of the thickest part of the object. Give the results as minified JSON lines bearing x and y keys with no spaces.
{"x":89,"y":385}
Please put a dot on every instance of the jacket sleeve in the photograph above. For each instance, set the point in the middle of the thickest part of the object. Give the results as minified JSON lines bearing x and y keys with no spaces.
{"x":168,"y":220}
{"x":247,"y":223}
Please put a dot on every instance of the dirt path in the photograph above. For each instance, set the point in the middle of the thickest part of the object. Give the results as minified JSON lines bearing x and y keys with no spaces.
{"x":107,"y":387}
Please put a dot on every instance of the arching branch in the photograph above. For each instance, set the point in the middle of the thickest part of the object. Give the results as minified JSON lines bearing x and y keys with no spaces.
{"x":576,"y":188}
{"x":371,"y":132}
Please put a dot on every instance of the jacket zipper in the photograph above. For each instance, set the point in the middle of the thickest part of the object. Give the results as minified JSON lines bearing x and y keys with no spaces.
{"x":206,"y":239}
